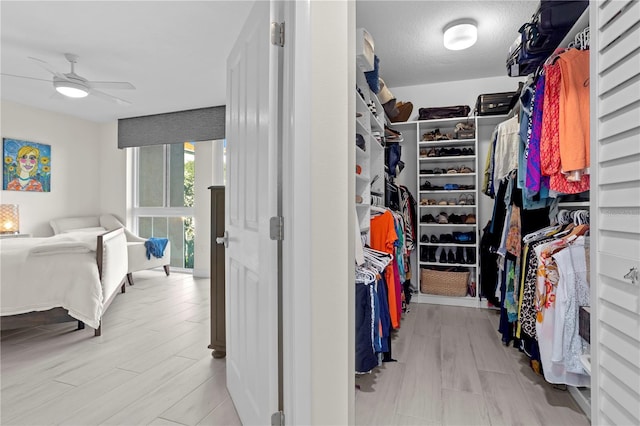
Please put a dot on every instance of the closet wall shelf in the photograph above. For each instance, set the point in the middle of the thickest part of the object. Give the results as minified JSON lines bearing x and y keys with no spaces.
{"x":449,"y":158}
{"x":444,"y":191}
{"x":448,"y":245}
{"x":468,"y":301}
{"x":464,"y":265}
{"x":447,"y":175}
{"x":446,"y":142}
{"x":574,"y":204}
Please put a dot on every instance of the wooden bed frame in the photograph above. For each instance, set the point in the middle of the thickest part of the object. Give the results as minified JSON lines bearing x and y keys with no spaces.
{"x":59,"y":315}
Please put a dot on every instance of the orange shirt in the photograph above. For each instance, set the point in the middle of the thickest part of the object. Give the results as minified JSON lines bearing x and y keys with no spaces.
{"x":574,"y":110}
{"x":383,"y":237}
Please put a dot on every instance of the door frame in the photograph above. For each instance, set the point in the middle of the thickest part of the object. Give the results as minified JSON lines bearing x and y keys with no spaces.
{"x":318,"y":308}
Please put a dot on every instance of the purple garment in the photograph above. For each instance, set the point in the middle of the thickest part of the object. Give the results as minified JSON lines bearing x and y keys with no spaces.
{"x":535,"y":180}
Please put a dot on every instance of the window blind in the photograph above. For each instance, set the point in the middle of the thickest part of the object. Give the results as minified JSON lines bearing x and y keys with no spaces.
{"x":202,"y":124}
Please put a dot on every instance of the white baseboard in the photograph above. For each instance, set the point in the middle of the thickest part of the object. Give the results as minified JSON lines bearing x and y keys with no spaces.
{"x":201,"y":273}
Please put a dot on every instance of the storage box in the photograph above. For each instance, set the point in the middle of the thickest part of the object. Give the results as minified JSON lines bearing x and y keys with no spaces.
{"x":444,"y":283}
{"x":364,"y":50}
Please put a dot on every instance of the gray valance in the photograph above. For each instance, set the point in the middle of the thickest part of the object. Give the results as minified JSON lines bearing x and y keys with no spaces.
{"x":203,"y":124}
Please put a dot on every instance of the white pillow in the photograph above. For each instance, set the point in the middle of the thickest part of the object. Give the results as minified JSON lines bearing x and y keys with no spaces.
{"x":92,"y":229}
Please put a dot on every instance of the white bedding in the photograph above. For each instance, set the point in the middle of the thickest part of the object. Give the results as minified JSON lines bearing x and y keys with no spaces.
{"x":37,"y":274}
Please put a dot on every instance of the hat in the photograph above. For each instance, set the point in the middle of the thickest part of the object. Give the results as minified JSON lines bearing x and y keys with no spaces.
{"x":384,"y":95}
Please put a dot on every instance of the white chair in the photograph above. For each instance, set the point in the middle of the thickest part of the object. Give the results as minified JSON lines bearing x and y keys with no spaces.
{"x":136,"y":250}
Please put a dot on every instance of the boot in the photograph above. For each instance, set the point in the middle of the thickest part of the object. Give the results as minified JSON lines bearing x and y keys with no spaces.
{"x":443,"y":255}
{"x":471,"y":255}
{"x":459,"y":255}
{"x":432,"y":254}
{"x":451,"y":258}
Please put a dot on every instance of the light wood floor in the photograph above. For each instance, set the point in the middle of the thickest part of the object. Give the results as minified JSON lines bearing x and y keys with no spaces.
{"x":452,"y":369}
{"x":150,"y":366}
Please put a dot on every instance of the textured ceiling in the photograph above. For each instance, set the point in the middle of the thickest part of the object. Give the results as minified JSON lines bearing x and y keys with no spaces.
{"x":175,"y":52}
{"x":408,"y":38}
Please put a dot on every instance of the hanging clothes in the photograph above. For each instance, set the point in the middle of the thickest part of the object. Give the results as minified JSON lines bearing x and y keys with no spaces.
{"x":383,"y":238}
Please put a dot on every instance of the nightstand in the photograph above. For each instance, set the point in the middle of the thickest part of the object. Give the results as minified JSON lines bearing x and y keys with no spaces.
{"x":3,"y":236}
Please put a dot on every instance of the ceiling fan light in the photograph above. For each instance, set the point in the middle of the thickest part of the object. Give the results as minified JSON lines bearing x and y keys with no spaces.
{"x":71,"y":89}
{"x":460,"y":35}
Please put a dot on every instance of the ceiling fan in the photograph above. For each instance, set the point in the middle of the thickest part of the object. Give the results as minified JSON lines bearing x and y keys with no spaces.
{"x":74,"y":86}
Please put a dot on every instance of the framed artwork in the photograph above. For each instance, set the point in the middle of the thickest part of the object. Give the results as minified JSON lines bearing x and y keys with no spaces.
{"x":26,"y":167}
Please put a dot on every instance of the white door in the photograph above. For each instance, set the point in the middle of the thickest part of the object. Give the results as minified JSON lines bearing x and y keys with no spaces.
{"x":252,"y":199}
{"x":615,"y":351}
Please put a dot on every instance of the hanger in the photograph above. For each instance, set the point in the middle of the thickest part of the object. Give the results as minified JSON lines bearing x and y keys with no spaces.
{"x":541,"y":233}
{"x":364,"y":275}
{"x":375,"y":210}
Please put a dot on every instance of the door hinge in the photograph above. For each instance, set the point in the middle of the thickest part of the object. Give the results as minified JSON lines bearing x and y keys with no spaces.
{"x":277,"y":34}
{"x":276,"y":228}
{"x":277,"y":418}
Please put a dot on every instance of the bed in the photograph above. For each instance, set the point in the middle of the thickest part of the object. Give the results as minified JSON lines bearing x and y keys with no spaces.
{"x":68,"y":277}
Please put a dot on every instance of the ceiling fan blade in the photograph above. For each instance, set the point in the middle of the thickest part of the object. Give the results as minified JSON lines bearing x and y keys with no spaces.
{"x":24,"y":76}
{"x":112,"y":85}
{"x":47,"y":67}
{"x":108,"y":97}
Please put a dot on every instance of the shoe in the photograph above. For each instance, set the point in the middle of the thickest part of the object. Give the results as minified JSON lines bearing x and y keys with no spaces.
{"x":471,"y":219}
{"x":471,"y":200}
{"x":451,"y":258}
{"x":428,"y":218}
{"x":431,"y":254}
{"x":431,"y":201}
{"x":443,"y":218}
{"x":424,"y":238}
{"x":443,"y":256}
{"x":451,"y":186}
{"x":460,"y":255}
{"x":465,"y":169}
{"x":424,"y":254}
{"x":455,"y":219}
{"x":434,"y":239}
{"x":432,"y":153}
{"x":425,"y":186}
{"x":462,"y":200}
{"x":471,"y":255}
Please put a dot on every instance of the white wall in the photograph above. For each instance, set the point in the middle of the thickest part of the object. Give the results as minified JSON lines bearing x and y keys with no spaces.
{"x":462,"y":92}
{"x":202,"y":208}
{"x":76,"y":166}
{"x":89,"y":173}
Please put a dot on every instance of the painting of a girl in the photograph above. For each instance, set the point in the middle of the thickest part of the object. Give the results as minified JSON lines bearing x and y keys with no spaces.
{"x":27,"y":166}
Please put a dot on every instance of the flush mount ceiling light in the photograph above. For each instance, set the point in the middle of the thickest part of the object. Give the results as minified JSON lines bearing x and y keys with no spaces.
{"x":460,"y":35}
{"x":71,"y":87}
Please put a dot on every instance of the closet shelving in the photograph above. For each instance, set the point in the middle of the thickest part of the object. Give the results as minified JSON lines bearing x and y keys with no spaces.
{"x":447,"y":186}
{"x":413,"y":132}
{"x":370,"y":159}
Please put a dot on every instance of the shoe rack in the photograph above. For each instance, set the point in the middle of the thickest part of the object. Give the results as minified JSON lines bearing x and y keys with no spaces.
{"x":369,"y":151}
{"x":447,"y":181}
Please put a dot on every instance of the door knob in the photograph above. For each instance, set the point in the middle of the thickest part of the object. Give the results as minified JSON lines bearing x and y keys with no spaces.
{"x":223,"y":240}
{"x":633,"y":275}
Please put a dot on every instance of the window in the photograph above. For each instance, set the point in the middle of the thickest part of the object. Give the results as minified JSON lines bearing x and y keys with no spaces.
{"x":164,"y":195}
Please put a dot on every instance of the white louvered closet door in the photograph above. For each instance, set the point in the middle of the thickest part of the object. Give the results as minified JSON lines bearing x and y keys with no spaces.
{"x":615,"y":163}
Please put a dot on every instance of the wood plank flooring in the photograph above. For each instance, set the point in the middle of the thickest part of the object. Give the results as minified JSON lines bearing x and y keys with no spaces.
{"x":452,"y":369}
{"x":150,"y":366}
